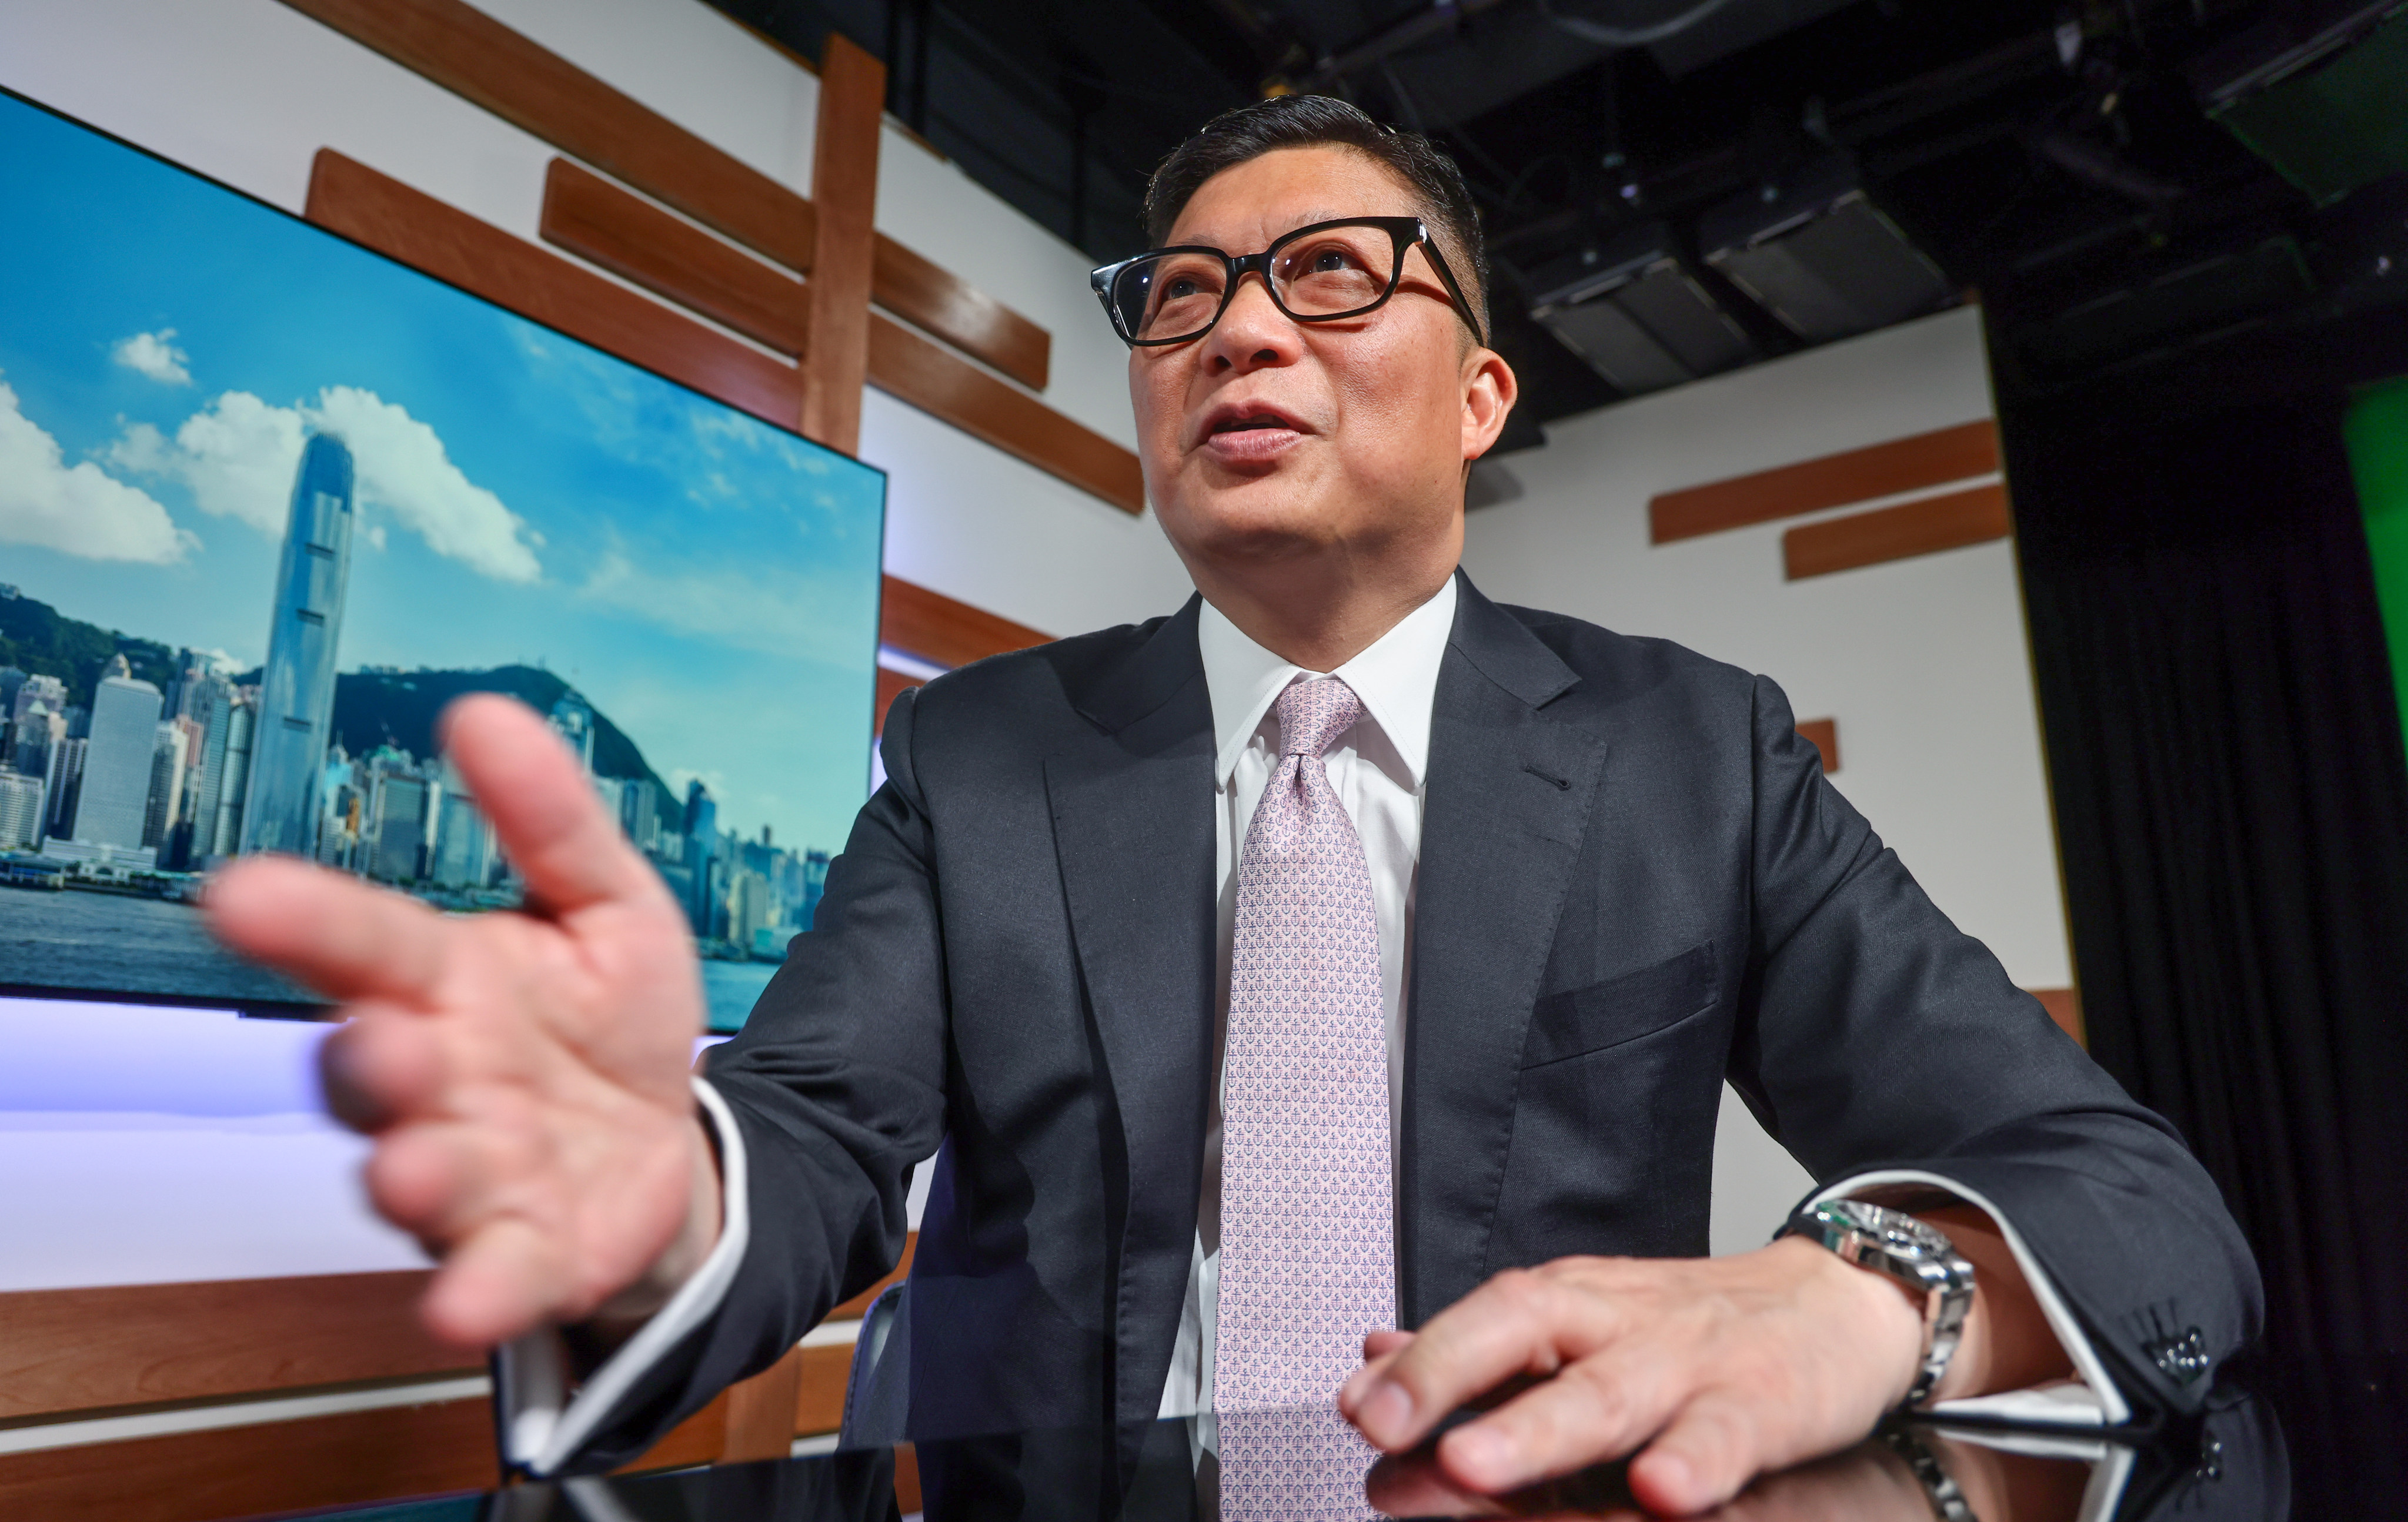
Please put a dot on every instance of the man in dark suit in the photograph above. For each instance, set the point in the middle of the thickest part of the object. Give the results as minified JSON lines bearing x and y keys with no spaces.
{"x":1344,"y":966}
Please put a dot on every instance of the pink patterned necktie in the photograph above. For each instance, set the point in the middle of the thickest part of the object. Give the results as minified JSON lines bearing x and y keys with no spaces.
{"x":1308,"y":1240}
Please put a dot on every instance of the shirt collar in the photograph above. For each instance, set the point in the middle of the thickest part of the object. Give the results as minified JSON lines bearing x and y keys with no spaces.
{"x":1396,"y":678}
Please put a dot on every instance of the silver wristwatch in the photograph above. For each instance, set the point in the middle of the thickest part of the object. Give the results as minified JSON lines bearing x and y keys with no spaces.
{"x":1914,"y":1253}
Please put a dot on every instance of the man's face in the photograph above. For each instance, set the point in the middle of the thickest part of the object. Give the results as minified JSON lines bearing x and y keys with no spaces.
{"x":1267,"y":438}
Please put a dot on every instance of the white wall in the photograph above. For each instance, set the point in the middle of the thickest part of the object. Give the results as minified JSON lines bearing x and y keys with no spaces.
{"x":1921,"y":662}
{"x":248,"y":91}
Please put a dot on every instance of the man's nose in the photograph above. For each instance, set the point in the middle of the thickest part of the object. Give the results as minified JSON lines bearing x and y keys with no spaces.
{"x":1252,"y":332}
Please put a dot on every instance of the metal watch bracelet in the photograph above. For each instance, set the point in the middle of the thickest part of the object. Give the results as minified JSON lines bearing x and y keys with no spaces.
{"x":1913,"y":1252}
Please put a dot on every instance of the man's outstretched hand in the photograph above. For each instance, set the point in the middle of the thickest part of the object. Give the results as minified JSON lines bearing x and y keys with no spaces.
{"x":523,"y":1073}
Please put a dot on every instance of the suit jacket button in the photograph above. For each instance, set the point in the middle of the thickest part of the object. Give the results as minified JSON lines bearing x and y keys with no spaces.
{"x":2183,"y":1359}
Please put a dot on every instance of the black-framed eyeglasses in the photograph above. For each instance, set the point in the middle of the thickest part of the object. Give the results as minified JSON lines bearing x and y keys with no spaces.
{"x":1318,"y":274}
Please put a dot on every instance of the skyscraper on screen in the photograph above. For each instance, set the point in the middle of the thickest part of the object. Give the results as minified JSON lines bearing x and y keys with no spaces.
{"x":116,"y":792}
{"x":296,"y":704}
{"x":20,"y":810}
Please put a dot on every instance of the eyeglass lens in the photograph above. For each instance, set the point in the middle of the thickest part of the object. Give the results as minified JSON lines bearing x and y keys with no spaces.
{"x":1329,"y":272}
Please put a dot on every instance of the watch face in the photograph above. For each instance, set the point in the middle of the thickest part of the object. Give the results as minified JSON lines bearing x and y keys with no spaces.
{"x":1897,"y":1232}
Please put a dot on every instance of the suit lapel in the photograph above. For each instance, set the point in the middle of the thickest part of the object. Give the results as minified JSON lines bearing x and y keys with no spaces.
{"x":1508,"y":800}
{"x":1132,"y":809}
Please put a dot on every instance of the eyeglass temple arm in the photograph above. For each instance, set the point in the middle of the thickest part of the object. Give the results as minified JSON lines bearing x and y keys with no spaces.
{"x":1454,"y":289}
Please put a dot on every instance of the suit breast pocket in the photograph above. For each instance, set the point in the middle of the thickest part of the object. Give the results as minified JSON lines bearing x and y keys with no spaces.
{"x":1579,"y":1022}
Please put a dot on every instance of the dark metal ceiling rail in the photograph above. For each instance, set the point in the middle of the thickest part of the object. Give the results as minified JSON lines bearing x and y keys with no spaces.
{"x":1438,"y":18}
{"x":1444,"y":16}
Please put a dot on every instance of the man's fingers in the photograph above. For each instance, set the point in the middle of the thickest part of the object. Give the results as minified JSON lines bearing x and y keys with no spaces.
{"x":1517,"y":1323}
{"x":500,"y":1283}
{"x":1599,"y":1409}
{"x":1713,"y":1446}
{"x":335,"y":933}
{"x":544,"y":811}
{"x":380,"y":1067}
{"x":1412,"y":1485}
{"x":443,"y":1182}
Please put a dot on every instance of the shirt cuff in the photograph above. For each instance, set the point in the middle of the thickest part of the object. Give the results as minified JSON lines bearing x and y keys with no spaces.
{"x":2096,"y":1404}
{"x":542,"y":1425}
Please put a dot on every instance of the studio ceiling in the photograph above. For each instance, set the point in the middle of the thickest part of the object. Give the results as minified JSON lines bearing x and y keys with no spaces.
{"x":2049,"y":156}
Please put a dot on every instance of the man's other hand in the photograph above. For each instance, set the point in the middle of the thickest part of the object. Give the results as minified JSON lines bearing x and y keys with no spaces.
{"x":1709,"y":1369}
{"x":523,"y":1073}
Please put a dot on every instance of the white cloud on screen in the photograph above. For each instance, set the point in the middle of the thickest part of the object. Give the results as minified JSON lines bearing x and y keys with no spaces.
{"x":78,"y":509}
{"x":153,"y":355}
{"x":237,"y":456}
{"x":404,"y":467}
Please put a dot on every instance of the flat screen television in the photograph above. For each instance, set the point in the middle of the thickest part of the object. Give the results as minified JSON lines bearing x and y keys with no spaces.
{"x":269,"y":500}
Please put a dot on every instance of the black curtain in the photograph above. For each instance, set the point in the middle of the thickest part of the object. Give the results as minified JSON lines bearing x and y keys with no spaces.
{"x":2232,"y":809}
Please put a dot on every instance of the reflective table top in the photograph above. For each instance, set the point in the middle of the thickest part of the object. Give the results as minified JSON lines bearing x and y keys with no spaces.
{"x":2278,"y":1445}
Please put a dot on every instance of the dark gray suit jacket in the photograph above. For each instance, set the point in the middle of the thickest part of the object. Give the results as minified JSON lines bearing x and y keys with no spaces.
{"x":1634,"y":883}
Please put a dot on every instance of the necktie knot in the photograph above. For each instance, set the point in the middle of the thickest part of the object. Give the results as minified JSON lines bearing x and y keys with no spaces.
{"x":1314,"y":713}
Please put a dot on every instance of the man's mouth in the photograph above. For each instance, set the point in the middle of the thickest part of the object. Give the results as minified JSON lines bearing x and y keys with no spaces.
{"x":1247,"y":433}
{"x":1251,"y":421}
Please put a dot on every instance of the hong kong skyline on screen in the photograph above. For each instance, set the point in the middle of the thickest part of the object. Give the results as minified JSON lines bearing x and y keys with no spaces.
{"x":689,"y":593}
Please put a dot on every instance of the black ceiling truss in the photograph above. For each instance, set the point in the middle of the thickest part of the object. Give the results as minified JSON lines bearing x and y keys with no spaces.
{"x":1783,"y":168}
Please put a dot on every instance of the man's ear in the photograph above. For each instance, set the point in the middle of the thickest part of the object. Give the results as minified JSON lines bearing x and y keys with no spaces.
{"x":1489,"y":390}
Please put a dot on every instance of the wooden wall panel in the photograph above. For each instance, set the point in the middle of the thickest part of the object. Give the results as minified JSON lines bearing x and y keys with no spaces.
{"x":1834,"y":480}
{"x":1923,"y":527}
{"x":637,"y":240}
{"x":918,"y":290}
{"x":910,"y":368}
{"x":469,"y":53}
{"x":937,"y":629}
{"x":761,"y":1410}
{"x":375,"y":210}
{"x":819,"y":1389}
{"x":64,"y":1350}
{"x":844,"y":187}
{"x":631,"y":237}
{"x":347,"y":1460}
{"x":1824,"y":735}
{"x":2064,"y":1006}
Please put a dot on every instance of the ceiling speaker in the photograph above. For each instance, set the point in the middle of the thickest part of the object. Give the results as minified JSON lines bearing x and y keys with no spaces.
{"x":1629,"y":310}
{"x":1819,"y":255}
{"x":2325,"y":105}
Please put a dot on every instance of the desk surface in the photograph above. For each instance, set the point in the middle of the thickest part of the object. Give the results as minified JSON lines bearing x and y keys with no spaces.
{"x":2284,"y":1445}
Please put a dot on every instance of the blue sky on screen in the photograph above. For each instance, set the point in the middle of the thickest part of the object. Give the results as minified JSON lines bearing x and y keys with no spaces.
{"x":708,"y":581}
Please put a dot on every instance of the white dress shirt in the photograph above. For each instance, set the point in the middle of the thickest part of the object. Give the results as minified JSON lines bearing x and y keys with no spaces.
{"x":1378,"y":769}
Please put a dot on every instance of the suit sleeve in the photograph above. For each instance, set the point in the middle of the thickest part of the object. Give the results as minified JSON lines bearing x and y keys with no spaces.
{"x":1874,"y":1037}
{"x":835,"y":1087}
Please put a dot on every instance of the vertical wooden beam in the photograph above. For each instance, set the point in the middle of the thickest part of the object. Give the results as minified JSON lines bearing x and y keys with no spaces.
{"x":844,"y":192}
{"x":761,"y":1412}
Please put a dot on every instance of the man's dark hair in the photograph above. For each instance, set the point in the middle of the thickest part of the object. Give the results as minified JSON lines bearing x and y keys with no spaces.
{"x":1264,"y":126}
